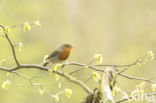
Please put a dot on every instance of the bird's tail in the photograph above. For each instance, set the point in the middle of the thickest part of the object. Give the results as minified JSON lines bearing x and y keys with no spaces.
{"x":46,"y":63}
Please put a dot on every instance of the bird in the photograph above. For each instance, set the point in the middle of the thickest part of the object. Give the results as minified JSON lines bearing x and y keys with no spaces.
{"x":59,"y":55}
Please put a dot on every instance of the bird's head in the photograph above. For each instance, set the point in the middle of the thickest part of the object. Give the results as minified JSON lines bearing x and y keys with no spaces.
{"x":69,"y":46}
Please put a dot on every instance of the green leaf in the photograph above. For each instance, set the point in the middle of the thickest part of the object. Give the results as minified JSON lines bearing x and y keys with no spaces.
{"x":37,"y":23}
{"x":85,"y":67}
{"x":27,"y":26}
{"x":150,"y":55}
{"x":116,"y":90}
{"x":142,"y":85}
{"x":7,"y":29}
{"x":20,"y":46}
{"x":50,"y":72}
{"x":139,"y":64}
{"x":68,"y":92}
{"x":96,"y":76}
{"x":57,"y":77}
{"x":6,"y":84}
{"x":99,"y":58}
{"x":153,"y":87}
{"x":57,"y":67}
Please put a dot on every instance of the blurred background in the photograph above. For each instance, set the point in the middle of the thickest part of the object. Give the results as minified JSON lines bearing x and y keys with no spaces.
{"x":120,"y":30}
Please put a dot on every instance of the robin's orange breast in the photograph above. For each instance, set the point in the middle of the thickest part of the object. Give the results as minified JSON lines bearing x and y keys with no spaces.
{"x":65,"y":54}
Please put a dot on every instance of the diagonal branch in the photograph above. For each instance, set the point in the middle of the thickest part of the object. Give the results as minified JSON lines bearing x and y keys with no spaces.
{"x":125,"y":66}
{"x":13,"y":49}
{"x":11,"y":44}
{"x":136,"y":78}
{"x":135,"y":63}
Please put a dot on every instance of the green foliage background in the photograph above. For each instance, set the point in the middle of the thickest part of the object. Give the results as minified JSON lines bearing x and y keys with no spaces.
{"x":120,"y":30}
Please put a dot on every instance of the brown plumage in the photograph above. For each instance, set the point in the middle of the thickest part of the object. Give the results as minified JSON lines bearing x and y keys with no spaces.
{"x":60,"y":54}
{"x":65,"y":53}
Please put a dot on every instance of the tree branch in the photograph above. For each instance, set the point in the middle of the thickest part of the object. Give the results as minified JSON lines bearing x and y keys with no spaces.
{"x":11,"y":44}
{"x":136,"y":78}
{"x":84,"y":65}
{"x":68,"y":77}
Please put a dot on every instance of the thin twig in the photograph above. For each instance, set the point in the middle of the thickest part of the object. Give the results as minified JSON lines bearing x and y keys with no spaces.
{"x":75,"y":71}
{"x":19,"y":25}
{"x":11,"y":44}
{"x":82,"y":67}
{"x":88,"y":79}
{"x":136,"y":78}
{"x":128,"y":66}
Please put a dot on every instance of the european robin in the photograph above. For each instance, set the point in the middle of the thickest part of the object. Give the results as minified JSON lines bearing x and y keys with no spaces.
{"x":59,"y":55}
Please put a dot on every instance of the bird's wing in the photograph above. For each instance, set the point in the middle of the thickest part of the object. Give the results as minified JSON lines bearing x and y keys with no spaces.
{"x":53,"y":54}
